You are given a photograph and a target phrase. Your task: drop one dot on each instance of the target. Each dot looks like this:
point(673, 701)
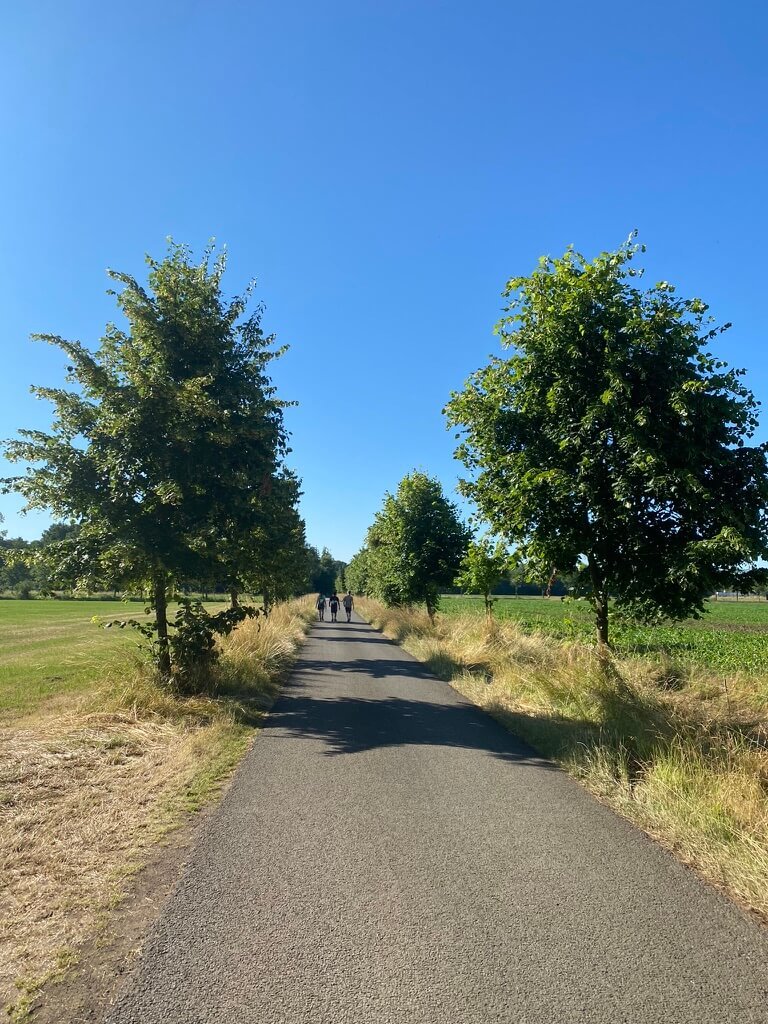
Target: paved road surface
point(387, 853)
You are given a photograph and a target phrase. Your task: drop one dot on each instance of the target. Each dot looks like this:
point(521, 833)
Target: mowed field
point(51, 648)
point(731, 637)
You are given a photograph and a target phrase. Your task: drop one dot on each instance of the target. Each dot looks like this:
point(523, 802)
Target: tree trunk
point(601, 613)
point(600, 603)
point(233, 599)
point(161, 618)
point(488, 605)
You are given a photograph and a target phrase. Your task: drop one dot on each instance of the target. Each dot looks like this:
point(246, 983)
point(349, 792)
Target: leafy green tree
point(611, 444)
point(173, 435)
point(415, 544)
point(484, 566)
point(518, 573)
point(341, 577)
point(15, 571)
point(57, 532)
point(324, 571)
point(357, 574)
point(275, 559)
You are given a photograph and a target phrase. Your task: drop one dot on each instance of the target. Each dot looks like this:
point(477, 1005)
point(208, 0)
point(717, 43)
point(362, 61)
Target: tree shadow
point(376, 668)
point(349, 627)
point(350, 725)
point(357, 639)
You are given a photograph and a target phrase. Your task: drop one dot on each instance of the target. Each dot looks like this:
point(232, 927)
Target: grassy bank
point(92, 776)
point(680, 750)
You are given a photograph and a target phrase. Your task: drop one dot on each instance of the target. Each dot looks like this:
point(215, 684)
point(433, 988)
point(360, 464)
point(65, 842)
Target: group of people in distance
point(333, 603)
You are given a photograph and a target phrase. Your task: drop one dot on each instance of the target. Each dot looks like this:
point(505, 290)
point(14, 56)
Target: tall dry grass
point(681, 752)
point(87, 792)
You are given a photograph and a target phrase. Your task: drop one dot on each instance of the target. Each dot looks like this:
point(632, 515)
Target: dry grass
point(681, 752)
point(85, 792)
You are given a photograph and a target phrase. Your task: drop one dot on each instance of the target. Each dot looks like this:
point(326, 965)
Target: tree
point(275, 560)
point(415, 544)
point(15, 573)
point(341, 577)
point(612, 444)
point(57, 532)
point(358, 571)
point(517, 572)
point(324, 571)
point(484, 566)
point(163, 453)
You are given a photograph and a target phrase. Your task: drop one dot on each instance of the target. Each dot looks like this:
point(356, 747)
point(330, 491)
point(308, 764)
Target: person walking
point(349, 603)
point(333, 602)
point(320, 605)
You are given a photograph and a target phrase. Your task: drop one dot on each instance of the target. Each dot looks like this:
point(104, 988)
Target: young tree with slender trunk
point(483, 568)
point(612, 445)
point(416, 544)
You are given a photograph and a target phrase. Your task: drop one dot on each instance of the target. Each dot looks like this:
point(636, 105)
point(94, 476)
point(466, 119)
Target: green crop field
point(731, 637)
point(49, 647)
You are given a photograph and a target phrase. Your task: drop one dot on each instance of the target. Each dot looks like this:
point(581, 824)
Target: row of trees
point(609, 447)
point(27, 568)
point(326, 573)
point(22, 567)
point(168, 456)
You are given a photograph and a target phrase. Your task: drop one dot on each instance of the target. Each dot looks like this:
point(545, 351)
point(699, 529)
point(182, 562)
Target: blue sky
point(381, 169)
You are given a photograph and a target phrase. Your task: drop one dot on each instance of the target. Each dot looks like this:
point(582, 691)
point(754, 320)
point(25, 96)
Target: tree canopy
point(416, 544)
point(612, 444)
point(483, 567)
point(326, 573)
point(168, 453)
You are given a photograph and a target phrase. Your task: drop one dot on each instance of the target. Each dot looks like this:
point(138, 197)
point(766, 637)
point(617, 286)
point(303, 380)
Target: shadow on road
point(357, 639)
point(377, 668)
point(350, 725)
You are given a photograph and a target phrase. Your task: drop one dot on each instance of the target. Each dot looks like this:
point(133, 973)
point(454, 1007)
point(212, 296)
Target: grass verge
point(88, 788)
point(680, 751)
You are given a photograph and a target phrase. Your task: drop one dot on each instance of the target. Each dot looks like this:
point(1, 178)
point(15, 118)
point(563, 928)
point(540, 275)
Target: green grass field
point(731, 637)
point(49, 648)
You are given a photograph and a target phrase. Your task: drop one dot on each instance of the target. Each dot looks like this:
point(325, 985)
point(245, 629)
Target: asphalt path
point(388, 853)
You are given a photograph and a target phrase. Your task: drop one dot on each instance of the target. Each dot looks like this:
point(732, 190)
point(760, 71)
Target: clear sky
point(381, 168)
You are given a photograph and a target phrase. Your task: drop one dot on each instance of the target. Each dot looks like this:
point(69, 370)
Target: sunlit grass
point(732, 636)
point(53, 649)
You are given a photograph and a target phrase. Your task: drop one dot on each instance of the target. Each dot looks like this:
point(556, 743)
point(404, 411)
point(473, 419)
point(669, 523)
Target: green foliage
point(273, 554)
point(484, 566)
point(358, 573)
point(168, 453)
point(193, 631)
point(610, 445)
point(324, 571)
point(193, 642)
point(14, 562)
point(416, 544)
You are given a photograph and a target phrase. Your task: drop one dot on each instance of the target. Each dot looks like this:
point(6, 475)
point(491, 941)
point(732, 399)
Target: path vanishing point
point(387, 853)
